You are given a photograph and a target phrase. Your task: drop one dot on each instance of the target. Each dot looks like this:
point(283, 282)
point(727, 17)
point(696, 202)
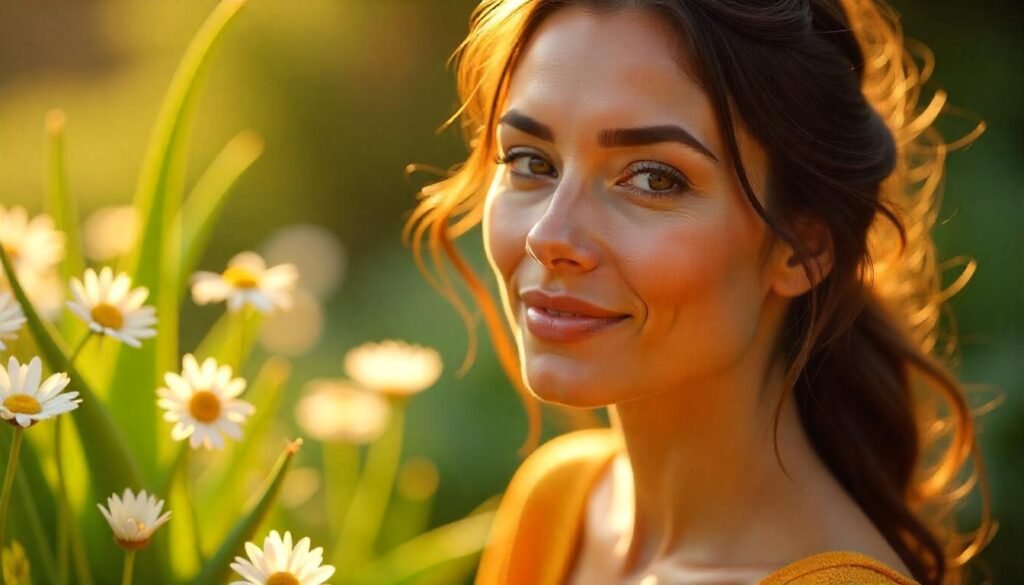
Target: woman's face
point(617, 192)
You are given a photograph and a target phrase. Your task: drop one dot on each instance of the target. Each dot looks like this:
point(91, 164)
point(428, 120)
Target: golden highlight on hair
point(909, 280)
point(903, 319)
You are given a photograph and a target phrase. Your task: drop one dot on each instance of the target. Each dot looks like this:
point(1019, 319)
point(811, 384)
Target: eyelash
point(682, 183)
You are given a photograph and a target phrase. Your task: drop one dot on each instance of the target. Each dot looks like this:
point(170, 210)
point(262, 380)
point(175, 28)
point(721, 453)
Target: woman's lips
point(566, 328)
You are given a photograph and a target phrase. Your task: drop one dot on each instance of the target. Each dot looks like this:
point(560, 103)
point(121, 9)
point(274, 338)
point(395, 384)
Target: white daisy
point(33, 245)
point(11, 318)
point(278, 563)
point(133, 518)
point(332, 410)
point(24, 401)
point(247, 281)
point(203, 403)
point(111, 307)
point(393, 367)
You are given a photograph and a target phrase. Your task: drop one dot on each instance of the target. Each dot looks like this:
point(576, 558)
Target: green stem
point(129, 567)
point(63, 512)
point(341, 470)
point(5, 495)
point(63, 503)
point(242, 314)
point(180, 459)
point(190, 497)
point(369, 503)
point(80, 347)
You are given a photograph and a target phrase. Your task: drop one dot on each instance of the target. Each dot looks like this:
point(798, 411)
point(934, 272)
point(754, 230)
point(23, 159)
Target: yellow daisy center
point(108, 315)
point(22, 404)
point(204, 406)
point(283, 578)
point(240, 277)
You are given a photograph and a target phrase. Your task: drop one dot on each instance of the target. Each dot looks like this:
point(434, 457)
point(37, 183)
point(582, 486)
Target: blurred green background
point(347, 93)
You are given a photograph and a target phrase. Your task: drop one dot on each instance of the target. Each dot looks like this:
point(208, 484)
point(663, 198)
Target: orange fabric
point(534, 534)
point(536, 530)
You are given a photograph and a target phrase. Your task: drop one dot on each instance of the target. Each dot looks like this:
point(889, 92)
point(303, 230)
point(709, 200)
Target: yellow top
point(534, 538)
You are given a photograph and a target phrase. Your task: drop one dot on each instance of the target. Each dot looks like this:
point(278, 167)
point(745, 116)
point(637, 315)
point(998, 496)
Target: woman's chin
point(566, 388)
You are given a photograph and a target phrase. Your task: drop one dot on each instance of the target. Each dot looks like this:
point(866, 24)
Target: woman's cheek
point(690, 281)
point(498, 235)
point(673, 268)
point(504, 236)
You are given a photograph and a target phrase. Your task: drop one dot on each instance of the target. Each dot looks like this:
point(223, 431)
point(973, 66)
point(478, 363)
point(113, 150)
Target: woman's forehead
point(621, 68)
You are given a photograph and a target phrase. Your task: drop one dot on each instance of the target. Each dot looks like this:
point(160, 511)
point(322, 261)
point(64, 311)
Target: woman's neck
point(703, 485)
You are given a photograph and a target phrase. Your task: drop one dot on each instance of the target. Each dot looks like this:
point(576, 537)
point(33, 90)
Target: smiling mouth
point(564, 326)
point(562, 313)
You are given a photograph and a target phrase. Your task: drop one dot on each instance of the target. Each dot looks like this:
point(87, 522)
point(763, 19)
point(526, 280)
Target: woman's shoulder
point(536, 525)
point(566, 454)
point(838, 568)
point(560, 469)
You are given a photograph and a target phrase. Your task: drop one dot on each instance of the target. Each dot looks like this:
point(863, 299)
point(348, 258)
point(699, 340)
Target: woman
point(711, 217)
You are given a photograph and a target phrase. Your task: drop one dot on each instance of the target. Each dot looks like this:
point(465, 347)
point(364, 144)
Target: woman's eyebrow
point(617, 137)
point(527, 124)
point(652, 135)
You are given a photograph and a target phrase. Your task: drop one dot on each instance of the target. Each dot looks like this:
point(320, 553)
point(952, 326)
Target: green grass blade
point(61, 206)
point(341, 464)
point(158, 199)
point(218, 568)
point(201, 210)
point(59, 202)
point(232, 338)
point(356, 543)
point(32, 520)
point(463, 538)
point(77, 480)
point(182, 547)
point(453, 571)
point(411, 506)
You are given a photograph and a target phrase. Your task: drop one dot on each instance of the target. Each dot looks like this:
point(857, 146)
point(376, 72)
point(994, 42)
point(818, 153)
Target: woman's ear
point(790, 279)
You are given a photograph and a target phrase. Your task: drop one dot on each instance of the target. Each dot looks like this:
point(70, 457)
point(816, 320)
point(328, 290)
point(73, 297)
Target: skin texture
point(688, 378)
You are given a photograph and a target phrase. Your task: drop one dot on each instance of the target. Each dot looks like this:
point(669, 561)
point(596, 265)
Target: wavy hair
point(832, 91)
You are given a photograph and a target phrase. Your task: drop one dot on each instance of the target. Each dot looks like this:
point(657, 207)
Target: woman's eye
point(528, 165)
point(650, 179)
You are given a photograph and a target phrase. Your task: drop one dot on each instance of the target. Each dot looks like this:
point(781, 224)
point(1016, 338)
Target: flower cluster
point(70, 291)
point(203, 401)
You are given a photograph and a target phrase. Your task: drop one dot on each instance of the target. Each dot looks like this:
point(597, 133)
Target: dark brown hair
point(830, 90)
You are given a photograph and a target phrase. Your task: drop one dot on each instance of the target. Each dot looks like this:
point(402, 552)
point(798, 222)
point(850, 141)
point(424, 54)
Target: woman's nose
point(560, 239)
